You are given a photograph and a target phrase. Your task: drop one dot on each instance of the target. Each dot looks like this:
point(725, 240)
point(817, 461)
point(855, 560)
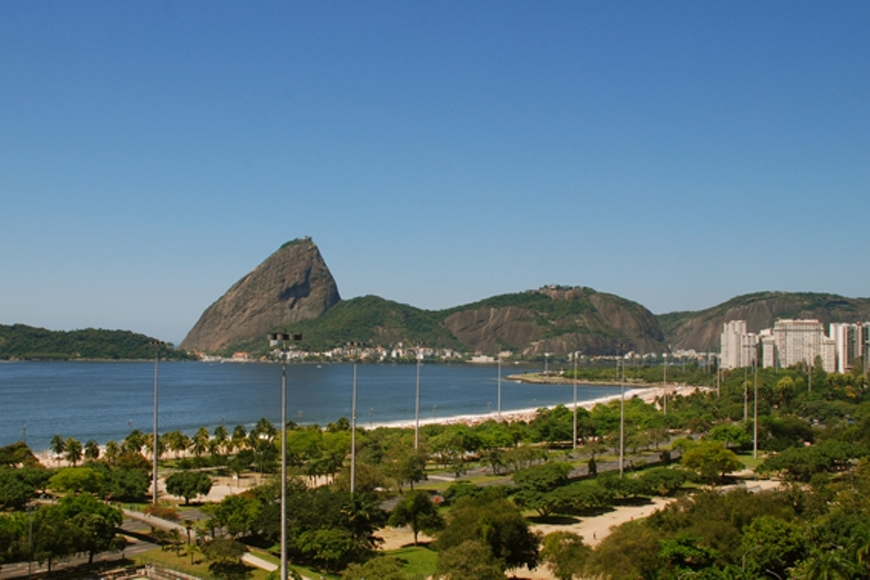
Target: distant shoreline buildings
point(790, 342)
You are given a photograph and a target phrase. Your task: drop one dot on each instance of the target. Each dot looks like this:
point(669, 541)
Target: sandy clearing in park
point(592, 529)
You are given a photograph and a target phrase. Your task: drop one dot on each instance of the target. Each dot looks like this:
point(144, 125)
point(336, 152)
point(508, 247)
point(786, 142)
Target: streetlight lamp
point(621, 411)
point(30, 509)
point(155, 441)
point(354, 352)
point(280, 339)
point(665, 381)
point(755, 405)
point(417, 404)
point(576, 354)
point(746, 380)
point(499, 386)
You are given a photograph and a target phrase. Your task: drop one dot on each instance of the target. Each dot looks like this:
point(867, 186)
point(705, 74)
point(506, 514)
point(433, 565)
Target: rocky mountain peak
point(291, 285)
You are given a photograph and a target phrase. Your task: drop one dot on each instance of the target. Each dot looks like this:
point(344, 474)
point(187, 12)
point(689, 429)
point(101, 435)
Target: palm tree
point(825, 565)
point(177, 442)
point(92, 450)
point(200, 441)
point(240, 437)
point(264, 429)
point(134, 441)
point(58, 446)
point(73, 450)
point(418, 511)
point(113, 451)
point(221, 437)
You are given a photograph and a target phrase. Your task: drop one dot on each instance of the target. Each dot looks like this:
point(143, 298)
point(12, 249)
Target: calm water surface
point(104, 400)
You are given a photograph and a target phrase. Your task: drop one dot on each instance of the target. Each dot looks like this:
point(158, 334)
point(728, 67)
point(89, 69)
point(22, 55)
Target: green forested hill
point(552, 319)
point(19, 341)
point(371, 320)
point(700, 330)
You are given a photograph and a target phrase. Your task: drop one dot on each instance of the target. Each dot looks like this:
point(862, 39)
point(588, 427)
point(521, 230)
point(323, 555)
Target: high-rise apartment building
point(803, 341)
point(737, 346)
point(850, 342)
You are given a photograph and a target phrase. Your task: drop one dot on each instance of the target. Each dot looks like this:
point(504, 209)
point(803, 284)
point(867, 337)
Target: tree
point(225, 555)
point(177, 442)
point(92, 450)
point(565, 554)
point(57, 445)
point(241, 462)
point(73, 450)
point(199, 443)
point(418, 511)
point(239, 437)
point(238, 514)
point(404, 465)
point(222, 437)
point(730, 435)
point(772, 545)
point(188, 484)
point(331, 548)
point(76, 480)
point(711, 460)
point(380, 567)
point(466, 560)
point(498, 524)
point(662, 480)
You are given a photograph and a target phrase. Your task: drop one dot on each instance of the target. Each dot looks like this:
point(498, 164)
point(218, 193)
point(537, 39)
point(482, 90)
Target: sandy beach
point(647, 394)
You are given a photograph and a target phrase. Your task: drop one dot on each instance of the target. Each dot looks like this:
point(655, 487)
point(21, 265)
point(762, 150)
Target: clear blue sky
point(675, 153)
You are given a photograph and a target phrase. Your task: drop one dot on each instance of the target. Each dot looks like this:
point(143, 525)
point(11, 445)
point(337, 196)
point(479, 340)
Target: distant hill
point(22, 342)
point(294, 290)
point(700, 330)
point(555, 319)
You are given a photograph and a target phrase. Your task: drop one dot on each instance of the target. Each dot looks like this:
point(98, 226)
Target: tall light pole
point(281, 339)
point(155, 441)
point(30, 509)
point(810, 374)
point(621, 412)
point(755, 404)
point(354, 351)
point(576, 354)
point(499, 386)
point(746, 381)
point(417, 406)
point(665, 381)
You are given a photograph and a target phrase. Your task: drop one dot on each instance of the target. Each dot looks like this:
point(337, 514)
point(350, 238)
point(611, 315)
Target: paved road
point(136, 546)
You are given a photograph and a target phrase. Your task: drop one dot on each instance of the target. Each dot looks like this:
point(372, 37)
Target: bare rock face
point(558, 320)
point(291, 285)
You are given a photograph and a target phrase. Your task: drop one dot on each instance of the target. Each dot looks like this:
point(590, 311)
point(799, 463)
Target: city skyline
point(676, 155)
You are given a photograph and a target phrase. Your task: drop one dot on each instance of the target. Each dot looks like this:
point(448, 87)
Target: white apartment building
point(737, 346)
point(802, 341)
point(850, 342)
point(793, 341)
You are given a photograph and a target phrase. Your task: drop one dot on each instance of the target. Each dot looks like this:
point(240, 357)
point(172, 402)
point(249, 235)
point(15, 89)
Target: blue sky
point(674, 153)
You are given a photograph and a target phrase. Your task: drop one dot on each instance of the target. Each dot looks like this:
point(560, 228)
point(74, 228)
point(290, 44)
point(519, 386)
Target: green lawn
point(182, 563)
point(418, 560)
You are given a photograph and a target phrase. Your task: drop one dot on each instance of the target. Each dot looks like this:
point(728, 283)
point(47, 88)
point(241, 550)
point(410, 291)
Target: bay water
point(106, 400)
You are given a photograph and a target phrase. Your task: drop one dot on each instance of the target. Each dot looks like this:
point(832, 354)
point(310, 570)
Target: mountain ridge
point(282, 292)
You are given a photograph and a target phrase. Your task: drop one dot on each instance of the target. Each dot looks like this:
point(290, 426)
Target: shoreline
point(648, 394)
